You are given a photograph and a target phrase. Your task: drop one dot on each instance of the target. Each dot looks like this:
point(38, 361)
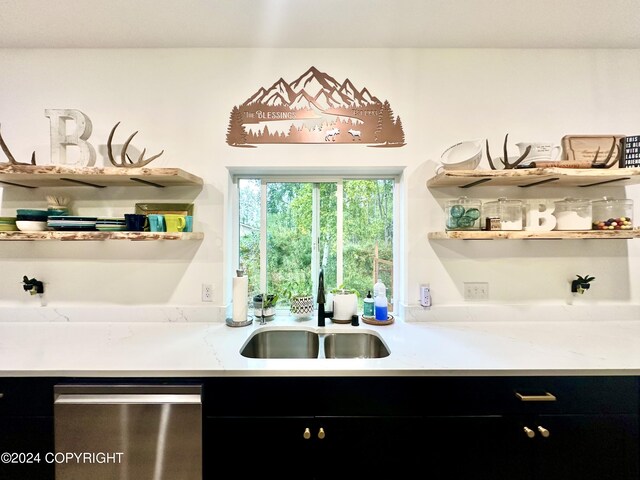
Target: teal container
point(367, 308)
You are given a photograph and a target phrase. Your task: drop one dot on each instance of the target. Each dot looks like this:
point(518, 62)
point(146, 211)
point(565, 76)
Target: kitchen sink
point(282, 344)
point(354, 345)
point(298, 343)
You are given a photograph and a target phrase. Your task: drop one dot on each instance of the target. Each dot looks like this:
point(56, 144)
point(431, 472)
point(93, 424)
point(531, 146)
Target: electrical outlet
point(425, 295)
point(476, 291)
point(207, 292)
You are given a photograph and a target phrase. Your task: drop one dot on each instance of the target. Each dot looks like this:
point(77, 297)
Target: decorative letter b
point(60, 139)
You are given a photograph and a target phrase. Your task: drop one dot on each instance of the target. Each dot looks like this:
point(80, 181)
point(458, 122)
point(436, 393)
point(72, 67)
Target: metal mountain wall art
point(316, 109)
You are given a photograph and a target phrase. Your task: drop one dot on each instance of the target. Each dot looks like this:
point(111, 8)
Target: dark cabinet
point(26, 429)
point(369, 447)
point(582, 428)
point(587, 447)
point(446, 428)
point(312, 428)
point(311, 447)
point(548, 447)
point(24, 445)
point(461, 447)
point(492, 428)
point(255, 447)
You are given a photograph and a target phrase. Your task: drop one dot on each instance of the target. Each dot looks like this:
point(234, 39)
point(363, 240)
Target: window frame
point(338, 179)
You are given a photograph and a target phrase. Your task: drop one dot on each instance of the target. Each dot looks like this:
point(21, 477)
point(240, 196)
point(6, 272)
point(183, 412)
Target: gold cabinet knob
point(321, 433)
point(543, 431)
point(530, 433)
point(307, 434)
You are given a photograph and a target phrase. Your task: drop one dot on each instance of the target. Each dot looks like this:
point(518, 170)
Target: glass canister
point(612, 214)
point(573, 214)
point(462, 214)
point(505, 213)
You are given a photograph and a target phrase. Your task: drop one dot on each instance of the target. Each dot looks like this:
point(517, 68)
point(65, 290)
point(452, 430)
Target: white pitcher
point(540, 151)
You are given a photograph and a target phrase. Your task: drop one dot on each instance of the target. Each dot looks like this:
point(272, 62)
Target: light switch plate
point(476, 291)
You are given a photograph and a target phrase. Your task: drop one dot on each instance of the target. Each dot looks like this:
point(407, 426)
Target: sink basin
point(282, 344)
point(354, 345)
point(298, 343)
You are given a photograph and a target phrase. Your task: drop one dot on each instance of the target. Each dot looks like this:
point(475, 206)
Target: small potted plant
point(266, 308)
point(580, 284)
point(297, 292)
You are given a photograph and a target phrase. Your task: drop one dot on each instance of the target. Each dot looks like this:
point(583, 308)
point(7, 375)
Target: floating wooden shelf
point(527, 235)
point(530, 177)
point(33, 176)
point(96, 235)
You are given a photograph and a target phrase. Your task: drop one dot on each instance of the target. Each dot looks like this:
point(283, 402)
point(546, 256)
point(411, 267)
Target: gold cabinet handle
point(321, 433)
point(530, 433)
point(543, 431)
point(547, 397)
point(307, 434)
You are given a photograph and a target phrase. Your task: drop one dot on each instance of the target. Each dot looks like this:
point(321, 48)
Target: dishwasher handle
point(121, 394)
point(106, 398)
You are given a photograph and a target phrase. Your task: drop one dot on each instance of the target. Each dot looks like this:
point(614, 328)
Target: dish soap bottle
point(367, 308)
point(380, 301)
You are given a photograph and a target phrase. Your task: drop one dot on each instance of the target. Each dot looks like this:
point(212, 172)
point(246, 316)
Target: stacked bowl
point(72, 222)
point(462, 156)
point(111, 224)
point(28, 220)
point(8, 224)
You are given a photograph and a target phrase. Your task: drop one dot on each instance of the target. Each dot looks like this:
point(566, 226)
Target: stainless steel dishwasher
point(128, 432)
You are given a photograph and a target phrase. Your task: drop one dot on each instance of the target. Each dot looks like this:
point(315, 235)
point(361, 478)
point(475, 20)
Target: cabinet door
point(27, 440)
point(444, 448)
point(589, 447)
point(473, 447)
point(258, 446)
point(368, 447)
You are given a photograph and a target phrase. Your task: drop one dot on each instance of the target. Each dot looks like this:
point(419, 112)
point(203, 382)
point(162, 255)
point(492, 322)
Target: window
point(290, 229)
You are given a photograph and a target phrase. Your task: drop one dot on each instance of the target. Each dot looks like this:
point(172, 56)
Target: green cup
point(174, 222)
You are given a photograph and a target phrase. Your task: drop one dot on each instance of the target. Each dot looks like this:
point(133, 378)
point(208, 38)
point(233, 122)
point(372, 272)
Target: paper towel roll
point(240, 294)
point(344, 306)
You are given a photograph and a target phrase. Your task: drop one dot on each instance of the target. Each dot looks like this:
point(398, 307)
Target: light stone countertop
point(200, 349)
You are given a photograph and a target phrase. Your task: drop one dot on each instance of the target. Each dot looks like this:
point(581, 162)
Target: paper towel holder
point(231, 323)
point(242, 323)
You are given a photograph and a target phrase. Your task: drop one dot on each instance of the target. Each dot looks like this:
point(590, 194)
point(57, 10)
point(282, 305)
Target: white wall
point(180, 101)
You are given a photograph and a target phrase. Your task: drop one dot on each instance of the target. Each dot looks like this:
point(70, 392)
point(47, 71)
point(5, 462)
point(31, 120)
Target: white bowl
point(462, 156)
point(30, 226)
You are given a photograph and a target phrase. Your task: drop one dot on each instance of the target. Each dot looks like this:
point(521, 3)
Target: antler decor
point(12, 160)
point(607, 161)
point(125, 161)
point(505, 159)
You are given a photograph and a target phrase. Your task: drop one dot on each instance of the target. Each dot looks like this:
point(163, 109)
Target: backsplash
point(113, 314)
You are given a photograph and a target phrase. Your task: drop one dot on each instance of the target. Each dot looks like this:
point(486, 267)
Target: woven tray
point(373, 321)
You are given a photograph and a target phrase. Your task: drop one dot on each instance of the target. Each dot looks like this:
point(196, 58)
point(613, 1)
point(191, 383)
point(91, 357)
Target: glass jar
point(613, 214)
point(462, 214)
point(573, 214)
point(503, 212)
